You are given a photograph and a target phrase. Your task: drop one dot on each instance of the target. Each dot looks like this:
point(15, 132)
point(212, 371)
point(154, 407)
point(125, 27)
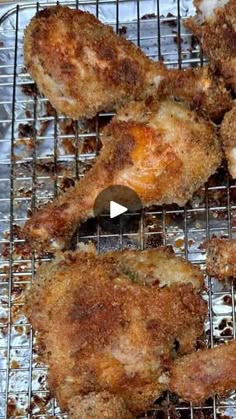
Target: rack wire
point(40, 155)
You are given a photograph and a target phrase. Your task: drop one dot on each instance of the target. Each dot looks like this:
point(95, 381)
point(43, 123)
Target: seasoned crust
point(54, 224)
point(203, 374)
point(165, 169)
point(221, 258)
point(115, 335)
point(217, 34)
point(228, 136)
point(162, 150)
point(67, 53)
point(201, 89)
point(157, 266)
point(98, 405)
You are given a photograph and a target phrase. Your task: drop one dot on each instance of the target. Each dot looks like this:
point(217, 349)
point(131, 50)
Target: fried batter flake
point(221, 258)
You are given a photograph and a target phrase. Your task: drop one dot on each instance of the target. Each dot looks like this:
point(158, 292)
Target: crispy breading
point(102, 405)
point(104, 332)
point(214, 26)
point(158, 266)
point(228, 136)
point(81, 65)
point(161, 150)
point(203, 374)
point(201, 88)
point(221, 258)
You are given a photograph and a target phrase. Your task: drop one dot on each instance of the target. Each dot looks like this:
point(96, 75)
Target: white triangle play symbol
point(116, 209)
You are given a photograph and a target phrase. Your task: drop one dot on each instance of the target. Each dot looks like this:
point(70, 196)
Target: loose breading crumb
point(221, 258)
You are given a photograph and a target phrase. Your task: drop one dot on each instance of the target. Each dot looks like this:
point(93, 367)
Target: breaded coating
point(161, 150)
point(221, 258)
point(228, 136)
point(82, 66)
point(214, 26)
point(206, 373)
point(159, 267)
point(102, 405)
point(108, 339)
point(201, 89)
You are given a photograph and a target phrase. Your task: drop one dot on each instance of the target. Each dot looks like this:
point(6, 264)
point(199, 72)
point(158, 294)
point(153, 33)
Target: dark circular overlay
point(124, 196)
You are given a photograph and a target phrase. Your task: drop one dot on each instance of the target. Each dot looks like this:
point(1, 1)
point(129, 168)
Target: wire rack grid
point(42, 153)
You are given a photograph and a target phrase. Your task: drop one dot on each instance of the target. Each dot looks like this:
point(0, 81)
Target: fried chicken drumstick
point(221, 258)
point(203, 374)
point(83, 67)
point(110, 332)
point(214, 26)
point(163, 151)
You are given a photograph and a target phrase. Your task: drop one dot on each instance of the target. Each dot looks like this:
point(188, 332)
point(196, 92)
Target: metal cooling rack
point(40, 155)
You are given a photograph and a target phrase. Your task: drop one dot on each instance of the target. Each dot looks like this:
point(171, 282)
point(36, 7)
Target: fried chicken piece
point(163, 151)
point(108, 339)
point(203, 374)
point(199, 87)
point(214, 26)
point(221, 258)
point(83, 67)
point(228, 136)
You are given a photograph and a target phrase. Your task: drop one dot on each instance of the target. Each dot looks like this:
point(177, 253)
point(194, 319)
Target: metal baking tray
point(42, 153)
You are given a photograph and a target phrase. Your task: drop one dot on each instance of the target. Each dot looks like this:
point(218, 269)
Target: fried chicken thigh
point(221, 258)
point(163, 151)
point(83, 67)
point(214, 26)
point(110, 332)
point(203, 374)
point(228, 136)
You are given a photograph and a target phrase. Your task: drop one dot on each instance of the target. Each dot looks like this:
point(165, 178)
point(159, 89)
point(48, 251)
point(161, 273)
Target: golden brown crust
point(218, 38)
point(203, 374)
point(81, 65)
point(201, 89)
point(157, 266)
point(102, 331)
point(99, 405)
point(163, 151)
point(221, 258)
point(228, 136)
point(54, 224)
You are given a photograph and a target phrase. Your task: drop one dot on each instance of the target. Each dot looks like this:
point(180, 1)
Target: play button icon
point(116, 209)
